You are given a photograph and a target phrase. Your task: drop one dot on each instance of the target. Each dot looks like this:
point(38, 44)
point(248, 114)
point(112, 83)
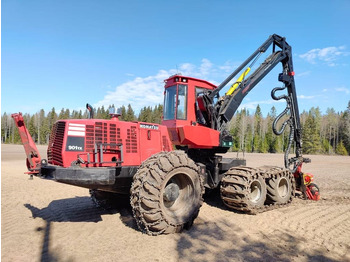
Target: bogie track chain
point(236, 188)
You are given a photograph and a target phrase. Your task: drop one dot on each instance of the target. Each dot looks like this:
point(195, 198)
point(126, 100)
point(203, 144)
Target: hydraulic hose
point(287, 162)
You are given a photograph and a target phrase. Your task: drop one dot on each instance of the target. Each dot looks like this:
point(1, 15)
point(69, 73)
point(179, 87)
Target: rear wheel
point(279, 188)
point(166, 194)
point(243, 188)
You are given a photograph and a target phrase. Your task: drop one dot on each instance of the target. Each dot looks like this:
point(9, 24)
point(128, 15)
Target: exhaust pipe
point(91, 111)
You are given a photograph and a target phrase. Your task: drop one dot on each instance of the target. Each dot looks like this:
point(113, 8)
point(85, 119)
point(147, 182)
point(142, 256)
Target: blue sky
point(63, 54)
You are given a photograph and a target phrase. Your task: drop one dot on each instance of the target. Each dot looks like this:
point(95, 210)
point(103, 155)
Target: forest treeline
point(327, 133)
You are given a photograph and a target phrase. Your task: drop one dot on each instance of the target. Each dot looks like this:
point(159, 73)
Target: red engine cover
point(99, 142)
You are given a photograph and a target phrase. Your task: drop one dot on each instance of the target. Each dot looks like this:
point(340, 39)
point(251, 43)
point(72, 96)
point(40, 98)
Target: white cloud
point(305, 97)
point(254, 104)
point(148, 91)
point(228, 67)
point(187, 68)
point(206, 67)
point(302, 74)
point(139, 92)
point(343, 89)
point(327, 55)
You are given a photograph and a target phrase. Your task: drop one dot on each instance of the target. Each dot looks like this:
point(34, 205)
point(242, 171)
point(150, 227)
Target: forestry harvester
point(166, 168)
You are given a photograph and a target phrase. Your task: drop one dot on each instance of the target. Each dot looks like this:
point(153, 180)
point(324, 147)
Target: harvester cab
point(183, 117)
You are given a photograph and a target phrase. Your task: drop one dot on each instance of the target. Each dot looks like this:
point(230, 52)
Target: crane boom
point(32, 152)
point(220, 113)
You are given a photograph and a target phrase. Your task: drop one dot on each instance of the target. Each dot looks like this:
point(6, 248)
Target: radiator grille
point(54, 151)
point(114, 134)
point(90, 138)
point(98, 133)
point(131, 141)
point(105, 133)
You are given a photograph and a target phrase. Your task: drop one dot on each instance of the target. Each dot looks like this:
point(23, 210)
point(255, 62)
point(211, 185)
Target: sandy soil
point(47, 221)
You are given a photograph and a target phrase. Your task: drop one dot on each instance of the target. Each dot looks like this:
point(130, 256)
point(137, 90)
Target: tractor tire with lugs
point(279, 187)
point(166, 193)
point(243, 189)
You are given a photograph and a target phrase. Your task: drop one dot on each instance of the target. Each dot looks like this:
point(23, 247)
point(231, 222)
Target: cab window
point(182, 102)
point(175, 102)
point(170, 103)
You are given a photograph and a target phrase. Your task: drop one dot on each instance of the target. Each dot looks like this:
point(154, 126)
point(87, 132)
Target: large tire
point(279, 188)
point(166, 194)
point(243, 188)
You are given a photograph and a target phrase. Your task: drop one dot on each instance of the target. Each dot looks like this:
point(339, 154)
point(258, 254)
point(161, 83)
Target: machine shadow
point(222, 240)
point(212, 198)
point(77, 209)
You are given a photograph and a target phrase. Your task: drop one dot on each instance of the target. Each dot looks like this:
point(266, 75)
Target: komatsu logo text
point(148, 126)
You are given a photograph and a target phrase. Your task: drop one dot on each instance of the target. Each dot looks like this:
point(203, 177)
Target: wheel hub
point(171, 192)
point(283, 187)
point(255, 191)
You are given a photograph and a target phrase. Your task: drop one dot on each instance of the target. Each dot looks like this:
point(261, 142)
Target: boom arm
point(222, 112)
point(32, 153)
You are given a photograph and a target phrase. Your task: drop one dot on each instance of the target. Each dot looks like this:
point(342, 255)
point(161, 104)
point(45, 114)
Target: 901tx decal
point(75, 143)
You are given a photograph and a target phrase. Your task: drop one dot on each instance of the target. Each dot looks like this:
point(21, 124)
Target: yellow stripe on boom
point(239, 80)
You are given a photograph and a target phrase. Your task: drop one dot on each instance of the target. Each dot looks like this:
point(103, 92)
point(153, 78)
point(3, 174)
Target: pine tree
point(271, 138)
point(234, 130)
point(157, 114)
point(257, 130)
point(123, 113)
point(344, 128)
point(52, 117)
point(249, 145)
point(130, 115)
point(64, 114)
point(4, 128)
point(32, 128)
point(341, 150)
point(44, 128)
point(263, 147)
point(311, 137)
point(145, 114)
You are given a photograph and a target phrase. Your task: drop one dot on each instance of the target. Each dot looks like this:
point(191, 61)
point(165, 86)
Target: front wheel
point(166, 194)
point(279, 188)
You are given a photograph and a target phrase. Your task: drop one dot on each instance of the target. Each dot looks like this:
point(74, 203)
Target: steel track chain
point(237, 182)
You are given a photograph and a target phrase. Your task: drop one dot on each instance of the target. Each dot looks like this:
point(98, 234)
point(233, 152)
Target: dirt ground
point(47, 221)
